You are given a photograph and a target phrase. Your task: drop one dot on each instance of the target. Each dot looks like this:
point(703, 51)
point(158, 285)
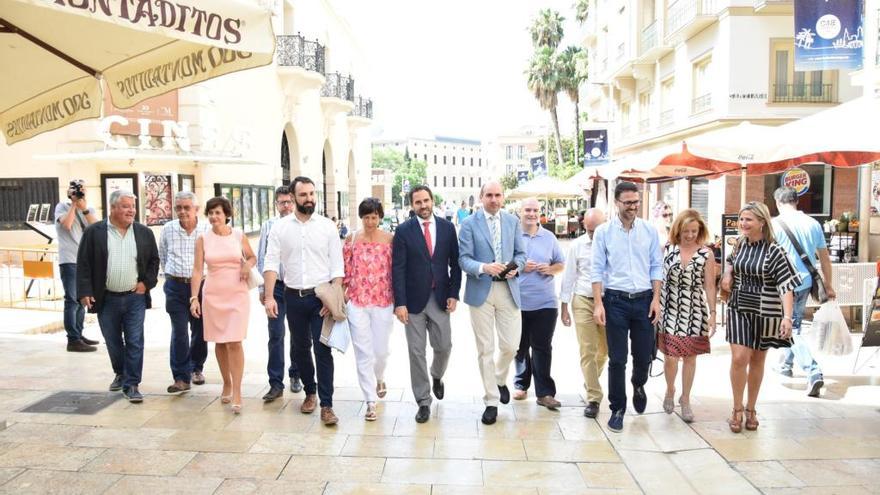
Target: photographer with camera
point(71, 219)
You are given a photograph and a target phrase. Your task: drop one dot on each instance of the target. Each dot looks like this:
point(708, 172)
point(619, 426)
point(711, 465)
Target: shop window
point(816, 200)
point(17, 194)
point(250, 204)
point(157, 199)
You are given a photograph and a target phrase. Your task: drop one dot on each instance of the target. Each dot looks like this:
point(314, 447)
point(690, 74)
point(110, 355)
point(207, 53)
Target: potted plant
point(843, 225)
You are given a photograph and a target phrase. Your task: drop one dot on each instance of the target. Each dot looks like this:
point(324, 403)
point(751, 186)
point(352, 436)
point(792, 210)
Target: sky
point(452, 67)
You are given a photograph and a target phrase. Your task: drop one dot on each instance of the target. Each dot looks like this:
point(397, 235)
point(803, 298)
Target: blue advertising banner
point(522, 177)
point(595, 147)
point(828, 35)
point(538, 165)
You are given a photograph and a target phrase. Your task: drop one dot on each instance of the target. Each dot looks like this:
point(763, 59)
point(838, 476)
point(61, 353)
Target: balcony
point(667, 117)
point(774, 6)
point(802, 93)
point(652, 47)
point(363, 107)
point(684, 18)
point(295, 51)
point(338, 86)
point(644, 125)
point(701, 104)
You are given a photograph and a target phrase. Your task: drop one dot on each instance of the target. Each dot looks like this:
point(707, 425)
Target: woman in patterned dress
point(367, 282)
point(760, 278)
point(687, 299)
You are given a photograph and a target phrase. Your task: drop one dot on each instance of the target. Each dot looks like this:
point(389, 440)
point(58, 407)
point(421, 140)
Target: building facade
point(511, 151)
point(665, 70)
point(239, 135)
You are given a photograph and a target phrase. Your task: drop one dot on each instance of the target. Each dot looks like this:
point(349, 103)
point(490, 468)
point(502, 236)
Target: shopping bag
point(829, 334)
point(255, 279)
point(340, 337)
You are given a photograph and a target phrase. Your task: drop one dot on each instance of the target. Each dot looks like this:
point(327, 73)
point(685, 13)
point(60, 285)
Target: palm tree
point(543, 82)
point(572, 67)
point(546, 29)
point(581, 11)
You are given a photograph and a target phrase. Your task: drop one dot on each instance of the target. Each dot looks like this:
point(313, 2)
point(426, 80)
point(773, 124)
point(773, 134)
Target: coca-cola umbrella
point(55, 54)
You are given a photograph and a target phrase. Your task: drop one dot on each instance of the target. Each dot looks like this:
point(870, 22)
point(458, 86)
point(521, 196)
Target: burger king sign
point(796, 179)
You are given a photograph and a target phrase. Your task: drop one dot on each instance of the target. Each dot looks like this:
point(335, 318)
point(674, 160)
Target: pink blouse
point(368, 273)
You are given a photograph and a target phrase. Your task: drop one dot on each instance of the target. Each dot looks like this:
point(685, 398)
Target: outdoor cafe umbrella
point(55, 54)
point(546, 187)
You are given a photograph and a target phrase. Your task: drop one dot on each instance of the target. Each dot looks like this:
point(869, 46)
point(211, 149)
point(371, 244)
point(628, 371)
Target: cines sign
point(166, 14)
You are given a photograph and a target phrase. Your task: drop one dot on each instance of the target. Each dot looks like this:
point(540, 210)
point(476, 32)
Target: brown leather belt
point(182, 280)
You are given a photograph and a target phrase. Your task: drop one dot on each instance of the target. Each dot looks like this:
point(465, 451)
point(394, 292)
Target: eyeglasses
point(667, 215)
point(286, 202)
point(630, 204)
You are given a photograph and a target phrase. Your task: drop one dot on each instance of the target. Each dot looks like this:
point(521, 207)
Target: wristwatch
point(87, 212)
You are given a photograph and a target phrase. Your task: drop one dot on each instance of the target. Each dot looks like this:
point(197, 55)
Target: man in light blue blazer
point(489, 240)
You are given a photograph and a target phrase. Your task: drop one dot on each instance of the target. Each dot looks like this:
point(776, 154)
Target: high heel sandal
point(236, 409)
point(736, 425)
point(225, 399)
point(752, 419)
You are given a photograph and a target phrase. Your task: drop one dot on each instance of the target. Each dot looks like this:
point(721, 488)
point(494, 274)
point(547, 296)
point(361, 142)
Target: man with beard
point(116, 266)
point(426, 280)
point(275, 367)
point(305, 247)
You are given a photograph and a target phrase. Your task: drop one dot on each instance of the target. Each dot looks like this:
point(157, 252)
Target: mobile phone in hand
point(507, 268)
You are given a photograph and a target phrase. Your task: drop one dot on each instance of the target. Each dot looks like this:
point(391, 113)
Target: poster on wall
point(522, 176)
point(595, 147)
point(828, 35)
point(729, 235)
point(538, 165)
point(157, 199)
point(875, 192)
point(116, 182)
point(155, 109)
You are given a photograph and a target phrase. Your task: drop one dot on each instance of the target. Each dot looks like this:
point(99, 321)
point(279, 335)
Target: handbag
point(340, 336)
point(817, 290)
point(255, 278)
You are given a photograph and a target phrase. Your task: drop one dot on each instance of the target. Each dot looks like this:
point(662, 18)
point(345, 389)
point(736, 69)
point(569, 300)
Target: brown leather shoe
point(178, 387)
point(309, 404)
point(327, 416)
point(198, 378)
point(549, 402)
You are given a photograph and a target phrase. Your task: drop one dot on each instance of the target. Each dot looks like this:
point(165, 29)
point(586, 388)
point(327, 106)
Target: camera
point(75, 191)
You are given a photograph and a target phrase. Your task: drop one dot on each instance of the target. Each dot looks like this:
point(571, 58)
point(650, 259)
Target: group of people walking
point(623, 285)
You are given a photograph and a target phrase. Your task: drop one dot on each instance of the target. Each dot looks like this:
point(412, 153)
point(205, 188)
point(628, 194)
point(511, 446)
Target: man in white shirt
point(577, 290)
point(307, 247)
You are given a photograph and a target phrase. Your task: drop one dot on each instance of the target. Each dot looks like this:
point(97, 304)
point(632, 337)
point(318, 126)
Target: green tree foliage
point(568, 167)
point(572, 67)
point(416, 171)
point(509, 182)
point(546, 29)
point(543, 82)
point(581, 11)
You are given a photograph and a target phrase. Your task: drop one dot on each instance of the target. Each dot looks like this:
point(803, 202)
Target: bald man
point(577, 291)
point(544, 260)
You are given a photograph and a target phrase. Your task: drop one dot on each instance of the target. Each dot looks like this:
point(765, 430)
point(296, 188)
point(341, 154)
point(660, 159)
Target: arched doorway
point(285, 159)
point(327, 187)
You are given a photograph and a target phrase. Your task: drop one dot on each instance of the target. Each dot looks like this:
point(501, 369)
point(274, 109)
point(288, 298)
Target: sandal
point(381, 390)
point(371, 412)
point(736, 421)
point(752, 419)
point(668, 405)
point(687, 414)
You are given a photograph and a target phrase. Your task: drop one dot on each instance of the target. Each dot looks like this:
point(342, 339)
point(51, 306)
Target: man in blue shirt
point(809, 235)
point(627, 273)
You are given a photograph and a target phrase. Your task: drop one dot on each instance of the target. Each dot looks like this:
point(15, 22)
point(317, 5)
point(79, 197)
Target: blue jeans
point(627, 319)
point(188, 350)
point(799, 349)
point(305, 321)
point(534, 356)
point(277, 331)
point(122, 324)
point(74, 313)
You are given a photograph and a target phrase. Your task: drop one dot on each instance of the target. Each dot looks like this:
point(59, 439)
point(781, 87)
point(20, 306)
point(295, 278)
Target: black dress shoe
point(592, 410)
point(640, 399)
point(80, 346)
point(489, 415)
point(505, 394)
point(273, 393)
point(296, 385)
point(89, 341)
point(133, 395)
point(423, 415)
point(439, 388)
point(116, 384)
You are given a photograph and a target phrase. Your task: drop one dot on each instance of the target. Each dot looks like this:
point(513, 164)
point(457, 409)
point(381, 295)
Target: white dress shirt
point(310, 252)
point(576, 277)
point(432, 228)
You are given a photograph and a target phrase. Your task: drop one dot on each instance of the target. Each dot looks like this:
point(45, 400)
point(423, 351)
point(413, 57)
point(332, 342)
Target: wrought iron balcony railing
point(702, 103)
point(363, 107)
point(649, 38)
point(293, 50)
point(680, 13)
point(338, 86)
point(803, 93)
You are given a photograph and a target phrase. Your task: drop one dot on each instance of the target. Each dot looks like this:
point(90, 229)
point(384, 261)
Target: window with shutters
point(17, 194)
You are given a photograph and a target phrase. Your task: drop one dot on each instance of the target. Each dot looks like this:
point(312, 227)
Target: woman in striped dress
point(760, 278)
point(688, 302)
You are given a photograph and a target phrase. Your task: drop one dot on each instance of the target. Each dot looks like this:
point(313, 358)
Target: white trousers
point(498, 314)
point(370, 330)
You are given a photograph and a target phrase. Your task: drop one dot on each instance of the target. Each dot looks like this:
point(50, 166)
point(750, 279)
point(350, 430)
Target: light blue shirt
point(537, 291)
point(809, 234)
point(626, 260)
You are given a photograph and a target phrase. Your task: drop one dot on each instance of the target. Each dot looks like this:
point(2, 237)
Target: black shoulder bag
point(818, 288)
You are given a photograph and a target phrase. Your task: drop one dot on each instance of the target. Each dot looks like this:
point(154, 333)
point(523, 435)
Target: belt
point(183, 280)
point(499, 279)
point(629, 295)
point(112, 293)
point(300, 292)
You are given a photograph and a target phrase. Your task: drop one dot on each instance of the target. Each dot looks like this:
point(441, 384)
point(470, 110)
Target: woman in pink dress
point(226, 309)
point(367, 255)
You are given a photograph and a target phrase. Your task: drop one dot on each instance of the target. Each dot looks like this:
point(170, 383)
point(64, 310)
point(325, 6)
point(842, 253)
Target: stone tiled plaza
point(194, 444)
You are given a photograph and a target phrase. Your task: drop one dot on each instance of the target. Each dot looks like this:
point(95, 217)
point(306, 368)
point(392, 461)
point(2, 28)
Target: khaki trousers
point(592, 343)
point(499, 313)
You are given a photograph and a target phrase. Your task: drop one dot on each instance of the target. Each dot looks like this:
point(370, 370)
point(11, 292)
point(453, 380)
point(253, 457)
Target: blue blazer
point(413, 271)
point(475, 246)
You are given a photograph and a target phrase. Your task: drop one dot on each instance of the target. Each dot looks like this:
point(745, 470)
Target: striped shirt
point(122, 273)
point(762, 272)
point(264, 243)
point(177, 249)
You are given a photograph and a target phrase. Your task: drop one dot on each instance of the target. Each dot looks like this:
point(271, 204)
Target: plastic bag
point(340, 336)
point(829, 334)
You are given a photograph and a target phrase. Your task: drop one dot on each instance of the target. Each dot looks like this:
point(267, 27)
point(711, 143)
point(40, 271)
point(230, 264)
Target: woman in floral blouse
point(367, 254)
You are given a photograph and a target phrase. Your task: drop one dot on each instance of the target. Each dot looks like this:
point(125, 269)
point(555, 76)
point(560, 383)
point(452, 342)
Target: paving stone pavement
point(194, 444)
